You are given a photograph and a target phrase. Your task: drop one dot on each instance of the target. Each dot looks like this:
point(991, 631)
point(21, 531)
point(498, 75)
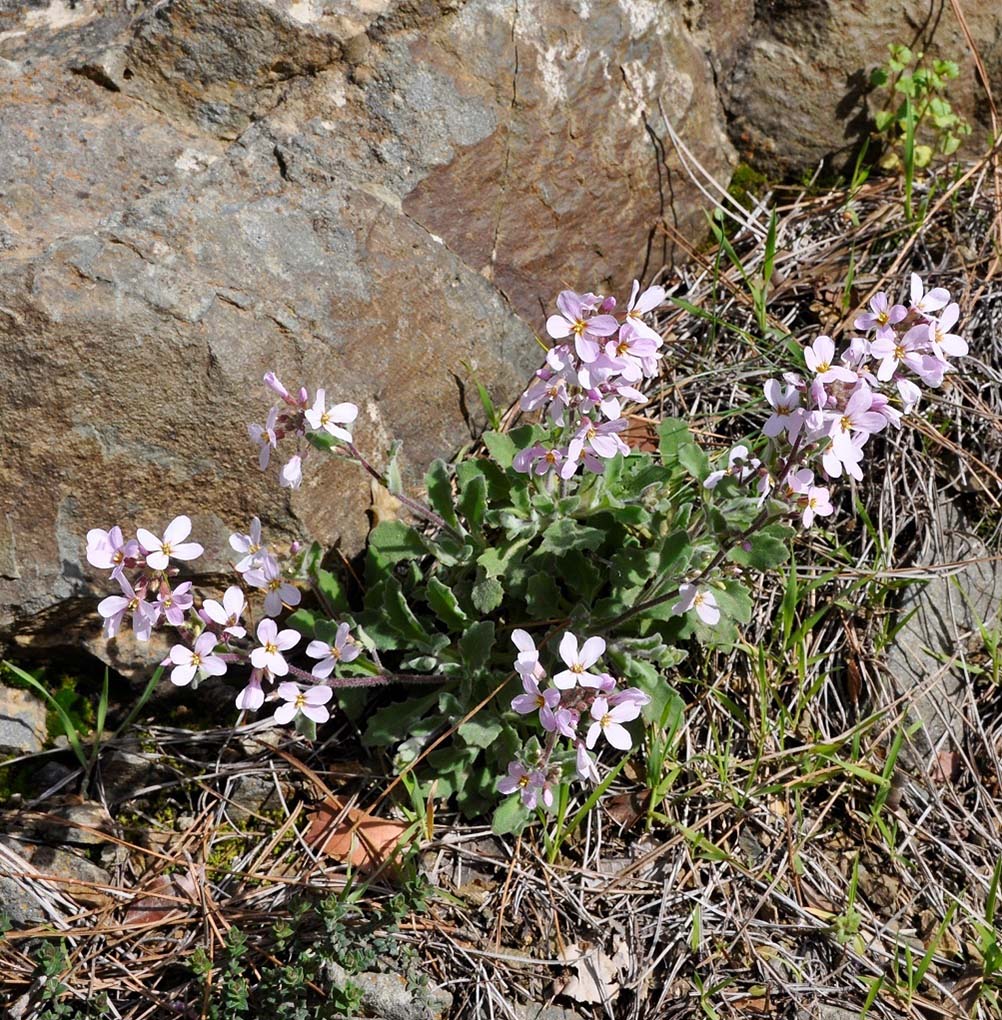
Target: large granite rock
point(360, 195)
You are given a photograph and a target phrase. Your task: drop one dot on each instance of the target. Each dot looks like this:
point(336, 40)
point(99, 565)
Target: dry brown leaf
point(353, 836)
point(595, 974)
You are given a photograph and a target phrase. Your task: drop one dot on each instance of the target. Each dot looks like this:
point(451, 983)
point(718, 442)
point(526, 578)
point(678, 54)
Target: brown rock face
point(796, 89)
point(360, 196)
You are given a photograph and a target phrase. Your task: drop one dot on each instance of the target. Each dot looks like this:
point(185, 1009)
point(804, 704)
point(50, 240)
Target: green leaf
point(693, 458)
point(501, 447)
point(762, 551)
point(673, 433)
point(676, 551)
point(394, 481)
point(395, 722)
point(393, 541)
point(305, 726)
point(473, 500)
point(331, 590)
point(439, 486)
point(476, 644)
point(481, 732)
point(511, 817)
point(542, 596)
point(487, 594)
point(444, 604)
point(733, 600)
point(399, 614)
point(567, 534)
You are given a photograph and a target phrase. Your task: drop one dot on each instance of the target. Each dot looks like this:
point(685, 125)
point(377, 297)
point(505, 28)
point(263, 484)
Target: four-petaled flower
point(576, 319)
point(311, 702)
point(579, 662)
point(159, 551)
point(700, 599)
point(343, 649)
point(227, 613)
point(273, 643)
point(200, 660)
point(269, 577)
point(608, 722)
point(331, 419)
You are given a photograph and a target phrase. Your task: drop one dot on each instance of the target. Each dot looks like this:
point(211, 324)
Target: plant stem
point(415, 506)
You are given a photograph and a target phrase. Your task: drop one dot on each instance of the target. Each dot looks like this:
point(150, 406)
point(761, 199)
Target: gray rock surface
point(22, 722)
point(362, 196)
point(942, 620)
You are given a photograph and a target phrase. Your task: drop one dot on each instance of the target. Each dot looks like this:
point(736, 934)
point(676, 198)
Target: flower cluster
point(583, 706)
point(213, 636)
point(822, 421)
point(595, 365)
point(296, 417)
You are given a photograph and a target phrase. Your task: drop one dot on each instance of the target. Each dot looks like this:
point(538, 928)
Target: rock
point(939, 615)
point(388, 996)
point(364, 199)
point(248, 796)
point(78, 823)
point(79, 875)
point(125, 773)
point(22, 722)
point(796, 88)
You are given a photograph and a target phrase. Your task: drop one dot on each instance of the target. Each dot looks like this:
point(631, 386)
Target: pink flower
point(786, 414)
point(638, 306)
point(273, 643)
point(108, 550)
point(331, 419)
point(882, 316)
point(528, 783)
point(265, 437)
point(114, 607)
point(631, 351)
point(702, 600)
point(200, 660)
point(538, 460)
point(527, 663)
point(924, 303)
point(269, 578)
point(601, 439)
point(608, 722)
point(272, 382)
point(816, 504)
point(575, 319)
point(585, 764)
point(534, 700)
point(291, 475)
point(160, 550)
point(251, 698)
point(344, 649)
point(820, 357)
point(578, 663)
point(174, 604)
point(740, 465)
point(943, 341)
point(855, 418)
point(227, 614)
point(895, 351)
point(251, 546)
point(312, 703)
point(549, 389)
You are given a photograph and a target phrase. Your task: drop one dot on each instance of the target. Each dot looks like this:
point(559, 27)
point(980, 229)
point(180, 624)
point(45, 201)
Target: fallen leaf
point(595, 974)
point(353, 836)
